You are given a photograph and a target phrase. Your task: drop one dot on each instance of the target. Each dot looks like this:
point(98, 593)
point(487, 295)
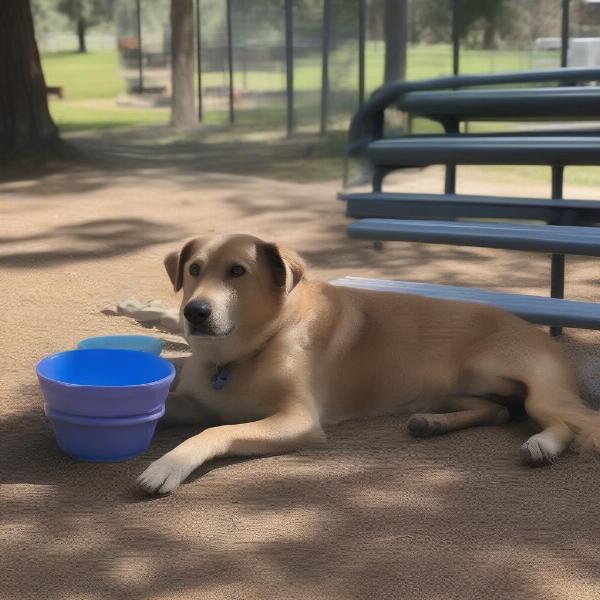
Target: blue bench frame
point(368, 126)
point(554, 312)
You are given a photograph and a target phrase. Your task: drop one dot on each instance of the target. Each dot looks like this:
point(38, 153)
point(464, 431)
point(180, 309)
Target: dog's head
point(233, 286)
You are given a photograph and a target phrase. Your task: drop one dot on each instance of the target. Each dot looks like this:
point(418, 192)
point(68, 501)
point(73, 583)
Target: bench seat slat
point(537, 103)
point(501, 150)
point(536, 309)
point(415, 205)
point(584, 241)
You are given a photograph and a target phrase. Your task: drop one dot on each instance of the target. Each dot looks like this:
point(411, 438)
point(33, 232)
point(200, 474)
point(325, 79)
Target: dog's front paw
point(164, 475)
point(424, 426)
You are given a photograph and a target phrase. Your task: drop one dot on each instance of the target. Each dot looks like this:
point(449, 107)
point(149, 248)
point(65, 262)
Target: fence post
point(361, 51)
point(452, 127)
point(325, 65)
point(230, 61)
point(140, 55)
point(456, 21)
point(564, 37)
point(289, 64)
point(199, 60)
point(243, 36)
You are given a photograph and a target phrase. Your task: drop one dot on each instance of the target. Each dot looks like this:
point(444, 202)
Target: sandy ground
point(375, 514)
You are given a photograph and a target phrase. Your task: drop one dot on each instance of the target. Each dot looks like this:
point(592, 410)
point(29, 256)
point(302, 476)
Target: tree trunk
point(395, 31)
point(183, 112)
point(490, 39)
point(81, 27)
point(25, 122)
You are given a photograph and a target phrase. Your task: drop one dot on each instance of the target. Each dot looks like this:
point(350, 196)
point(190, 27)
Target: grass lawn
point(84, 76)
point(97, 76)
point(85, 115)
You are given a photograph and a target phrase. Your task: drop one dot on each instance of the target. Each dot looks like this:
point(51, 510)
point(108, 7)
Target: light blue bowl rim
point(149, 339)
point(103, 421)
point(168, 378)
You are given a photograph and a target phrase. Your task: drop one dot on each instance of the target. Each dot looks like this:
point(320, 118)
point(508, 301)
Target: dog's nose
point(197, 311)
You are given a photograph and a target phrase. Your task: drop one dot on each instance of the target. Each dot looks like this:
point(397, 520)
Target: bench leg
point(557, 284)
point(557, 266)
point(379, 174)
point(451, 127)
point(450, 181)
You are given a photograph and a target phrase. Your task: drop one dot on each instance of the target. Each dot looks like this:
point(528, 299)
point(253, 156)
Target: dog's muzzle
point(198, 314)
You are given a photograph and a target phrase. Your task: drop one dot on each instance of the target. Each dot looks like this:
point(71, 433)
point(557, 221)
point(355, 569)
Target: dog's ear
point(171, 263)
point(287, 268)
point(175, 261)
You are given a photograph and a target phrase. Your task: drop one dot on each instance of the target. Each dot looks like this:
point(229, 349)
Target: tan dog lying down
point(276, 355)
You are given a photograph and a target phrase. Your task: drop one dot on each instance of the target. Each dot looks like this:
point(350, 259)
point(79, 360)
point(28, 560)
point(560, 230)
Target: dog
point(276, 355)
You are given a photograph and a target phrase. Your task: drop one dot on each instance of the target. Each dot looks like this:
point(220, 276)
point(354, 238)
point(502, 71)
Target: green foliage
point(262, 21)
point(481, 22)
point(155, 16)
point(46, 16)
point(91, 11)
point(61, 15)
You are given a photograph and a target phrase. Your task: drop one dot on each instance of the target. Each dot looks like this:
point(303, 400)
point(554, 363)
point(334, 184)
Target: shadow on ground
point(342, 521)
point(94, 162)
point(373, 514)
point(88, 240)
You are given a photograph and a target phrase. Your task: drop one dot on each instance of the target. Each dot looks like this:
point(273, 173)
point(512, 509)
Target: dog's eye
point(237, 271)
point(194, 269)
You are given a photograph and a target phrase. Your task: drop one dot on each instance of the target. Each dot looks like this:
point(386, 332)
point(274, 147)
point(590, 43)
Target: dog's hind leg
point(553, 402)
point(469, 412)
point(549, 390)
point(545, 447)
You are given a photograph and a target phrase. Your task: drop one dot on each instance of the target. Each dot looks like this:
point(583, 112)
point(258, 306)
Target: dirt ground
point(374, 514)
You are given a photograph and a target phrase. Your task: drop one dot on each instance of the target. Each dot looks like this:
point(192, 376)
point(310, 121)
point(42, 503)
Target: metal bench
point(395, 205)
point(368, 123)
point(445, 101)
point(536, 309)
point(556, 152)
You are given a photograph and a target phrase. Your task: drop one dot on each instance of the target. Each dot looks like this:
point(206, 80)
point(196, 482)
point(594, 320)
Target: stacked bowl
point(104, 403)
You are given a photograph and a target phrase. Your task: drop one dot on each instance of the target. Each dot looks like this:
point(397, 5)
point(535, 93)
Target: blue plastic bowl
point(142, 343)
point(105, 383)
point(102, 439)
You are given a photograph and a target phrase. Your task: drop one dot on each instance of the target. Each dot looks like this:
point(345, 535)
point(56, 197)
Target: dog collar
point(220, 377)
point(221, 374)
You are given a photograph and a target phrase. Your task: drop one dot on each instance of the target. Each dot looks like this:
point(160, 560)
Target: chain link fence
point(305, 65)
